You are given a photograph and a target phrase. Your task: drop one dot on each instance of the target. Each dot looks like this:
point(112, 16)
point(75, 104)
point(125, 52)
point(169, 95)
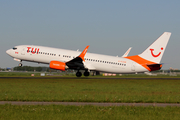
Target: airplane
point(62, 59)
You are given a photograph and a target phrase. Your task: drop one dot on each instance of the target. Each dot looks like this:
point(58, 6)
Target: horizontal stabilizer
point(154, 67)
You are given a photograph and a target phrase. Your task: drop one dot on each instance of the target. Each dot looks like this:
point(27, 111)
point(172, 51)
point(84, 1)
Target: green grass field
point(91, 90)
point(60, 112)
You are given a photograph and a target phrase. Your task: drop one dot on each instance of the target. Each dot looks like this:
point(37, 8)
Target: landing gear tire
point(86, 73)
point(78, 74)
point(20, 65)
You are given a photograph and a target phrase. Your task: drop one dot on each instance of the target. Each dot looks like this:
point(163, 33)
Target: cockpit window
point(14, 48)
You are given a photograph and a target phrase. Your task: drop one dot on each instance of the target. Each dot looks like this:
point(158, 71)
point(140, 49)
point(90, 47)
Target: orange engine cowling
point(58, 65)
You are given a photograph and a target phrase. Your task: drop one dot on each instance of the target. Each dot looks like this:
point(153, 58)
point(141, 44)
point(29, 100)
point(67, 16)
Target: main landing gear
point(79, 74)
point(86, 73)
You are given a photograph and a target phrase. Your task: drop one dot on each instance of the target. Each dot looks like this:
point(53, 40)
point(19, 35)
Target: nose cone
point(8, 52)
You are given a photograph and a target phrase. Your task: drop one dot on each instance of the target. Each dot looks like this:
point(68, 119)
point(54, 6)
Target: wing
point(77, 63)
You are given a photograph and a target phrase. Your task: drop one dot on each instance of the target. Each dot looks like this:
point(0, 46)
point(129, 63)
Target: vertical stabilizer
point(155, 51)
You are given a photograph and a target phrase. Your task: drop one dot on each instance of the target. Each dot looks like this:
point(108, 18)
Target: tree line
point(30, 68)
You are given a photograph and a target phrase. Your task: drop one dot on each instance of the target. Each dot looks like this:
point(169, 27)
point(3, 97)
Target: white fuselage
point(96, 62)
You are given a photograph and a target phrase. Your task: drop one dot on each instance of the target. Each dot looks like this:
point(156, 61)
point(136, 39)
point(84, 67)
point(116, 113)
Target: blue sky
point(109, 27)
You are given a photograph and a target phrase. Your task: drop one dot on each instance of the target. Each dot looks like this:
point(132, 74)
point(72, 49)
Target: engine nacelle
point(58, 65)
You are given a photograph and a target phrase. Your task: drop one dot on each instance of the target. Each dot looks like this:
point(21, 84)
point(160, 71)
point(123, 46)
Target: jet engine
point(58, 65)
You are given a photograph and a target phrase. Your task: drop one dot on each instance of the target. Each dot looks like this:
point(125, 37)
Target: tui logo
point(154, 54)
point(32, 50)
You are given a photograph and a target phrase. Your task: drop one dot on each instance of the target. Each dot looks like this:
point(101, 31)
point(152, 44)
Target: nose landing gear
point(20, 64)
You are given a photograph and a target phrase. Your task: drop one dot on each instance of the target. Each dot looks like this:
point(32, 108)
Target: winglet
point(127, 52)
point(84, 53)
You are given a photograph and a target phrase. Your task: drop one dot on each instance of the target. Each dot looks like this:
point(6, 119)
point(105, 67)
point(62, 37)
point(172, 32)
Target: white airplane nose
point(8, 52)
